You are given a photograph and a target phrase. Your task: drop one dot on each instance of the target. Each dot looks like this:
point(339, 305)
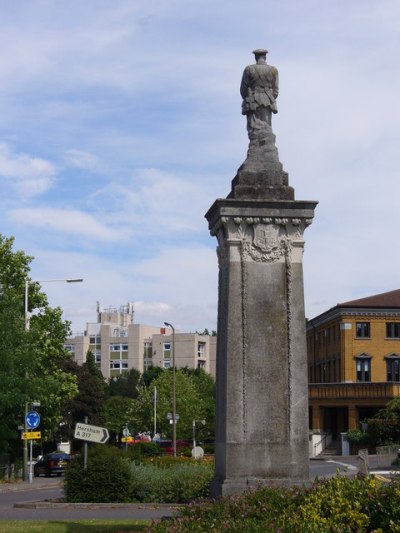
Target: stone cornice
point(340, 312)
point(260, 208)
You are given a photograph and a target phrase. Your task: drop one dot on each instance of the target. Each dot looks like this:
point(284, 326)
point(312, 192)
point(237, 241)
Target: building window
point(363, 366)
point(393, 330)
point(167, 364)
point(201, 364)
point(147, 355)
point(97, 356)
point(118, 365)
point(393, 368)
point(201, 350)
point(362, 330)
point(167, 350)
point(118, 347)
point(70, 348)
point(95, 340)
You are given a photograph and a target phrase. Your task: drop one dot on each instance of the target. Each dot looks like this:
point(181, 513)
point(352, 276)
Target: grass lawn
point(73, 526)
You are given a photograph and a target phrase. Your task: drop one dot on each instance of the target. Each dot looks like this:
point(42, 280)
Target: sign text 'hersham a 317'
point(91, 433)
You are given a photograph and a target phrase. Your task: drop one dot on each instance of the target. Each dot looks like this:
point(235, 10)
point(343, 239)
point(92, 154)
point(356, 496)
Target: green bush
point(176, 483)
point(112, 476)
point(141, 450)
point(335, 505)
point(357, 436)
point(384, 431)
point(106, 479)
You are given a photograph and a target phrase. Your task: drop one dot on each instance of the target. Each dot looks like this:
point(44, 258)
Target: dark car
point(51, 463)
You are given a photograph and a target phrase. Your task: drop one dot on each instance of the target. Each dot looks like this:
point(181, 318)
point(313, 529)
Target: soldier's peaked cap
point(260, 51)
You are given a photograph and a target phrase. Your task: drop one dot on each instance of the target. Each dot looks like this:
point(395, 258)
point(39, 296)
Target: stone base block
point(228, 487)
point(269, 184)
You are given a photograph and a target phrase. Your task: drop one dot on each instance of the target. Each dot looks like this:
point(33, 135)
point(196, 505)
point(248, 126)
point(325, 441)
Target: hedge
point(112, 476)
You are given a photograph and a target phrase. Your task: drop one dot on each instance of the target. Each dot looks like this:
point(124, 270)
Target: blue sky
point(120, 124)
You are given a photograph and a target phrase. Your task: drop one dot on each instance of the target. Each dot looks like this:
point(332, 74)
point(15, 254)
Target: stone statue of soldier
point(259, 89)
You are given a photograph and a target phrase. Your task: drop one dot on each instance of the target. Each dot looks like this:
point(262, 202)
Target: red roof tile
point(386, 299)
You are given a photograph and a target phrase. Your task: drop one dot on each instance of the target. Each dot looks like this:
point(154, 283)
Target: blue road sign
point(32, 419)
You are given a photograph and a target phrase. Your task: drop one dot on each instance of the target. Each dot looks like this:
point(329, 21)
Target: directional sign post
point(32, 419)
point(91, 433)
point(31, 435)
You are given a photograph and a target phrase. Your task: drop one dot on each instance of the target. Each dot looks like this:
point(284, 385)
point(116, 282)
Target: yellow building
point(353, 361)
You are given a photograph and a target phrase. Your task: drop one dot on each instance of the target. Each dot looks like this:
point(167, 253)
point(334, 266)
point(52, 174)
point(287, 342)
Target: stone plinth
point(262, 397)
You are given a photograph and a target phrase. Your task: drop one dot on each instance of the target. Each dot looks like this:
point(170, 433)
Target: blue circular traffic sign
point(32, 419)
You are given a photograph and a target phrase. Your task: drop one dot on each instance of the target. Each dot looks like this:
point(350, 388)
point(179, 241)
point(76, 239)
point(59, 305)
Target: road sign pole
point(85, 449)
point(30, 460)
point(25, 452)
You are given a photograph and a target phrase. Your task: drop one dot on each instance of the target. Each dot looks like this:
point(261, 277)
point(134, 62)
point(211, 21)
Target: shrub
point(106, 479)
point(111, 476)
point(141, 450)
point(176, 483)
point(357, 436)
point(335, 505)
point(384, 431)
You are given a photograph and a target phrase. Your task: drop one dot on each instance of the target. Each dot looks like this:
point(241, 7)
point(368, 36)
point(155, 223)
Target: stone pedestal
point(262, 394)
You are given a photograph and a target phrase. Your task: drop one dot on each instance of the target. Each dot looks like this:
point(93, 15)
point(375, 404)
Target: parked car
point(51, 463)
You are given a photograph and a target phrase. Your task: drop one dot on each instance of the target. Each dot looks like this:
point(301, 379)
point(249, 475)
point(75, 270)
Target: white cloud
point(178, 285)
point(82, 159)
point(138, 118)
point(29, 175)
point(67, 221)
point(154, 202)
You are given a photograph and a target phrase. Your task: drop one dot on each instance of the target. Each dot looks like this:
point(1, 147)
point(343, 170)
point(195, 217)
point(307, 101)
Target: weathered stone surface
point(262, 396)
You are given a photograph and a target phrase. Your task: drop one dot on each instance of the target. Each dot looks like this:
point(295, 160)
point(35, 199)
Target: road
point(33, 497)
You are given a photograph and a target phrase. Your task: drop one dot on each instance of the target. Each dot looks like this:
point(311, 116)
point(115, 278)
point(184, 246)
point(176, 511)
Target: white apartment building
point(119, 345)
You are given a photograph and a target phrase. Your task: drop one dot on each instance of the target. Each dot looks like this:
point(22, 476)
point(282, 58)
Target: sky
point(120, 125)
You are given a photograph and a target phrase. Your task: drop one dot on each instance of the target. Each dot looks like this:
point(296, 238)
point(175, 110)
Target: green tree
point(189, 405)
point(92, 368)
point(391, 411)
point(151, 374)
point(86, 403)
point(205, 386)
point(116, 413)
point(126, 384)
point(30, 360)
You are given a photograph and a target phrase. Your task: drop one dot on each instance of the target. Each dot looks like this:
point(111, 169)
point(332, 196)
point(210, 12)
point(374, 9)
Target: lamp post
point(27, 281)
point(26, 324)
point(173, 389)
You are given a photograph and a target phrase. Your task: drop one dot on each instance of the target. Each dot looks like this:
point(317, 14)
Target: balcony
point(353, 391)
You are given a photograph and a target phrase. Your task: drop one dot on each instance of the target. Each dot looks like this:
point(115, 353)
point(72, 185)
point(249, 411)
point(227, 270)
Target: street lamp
point(173, 389)
point(26, 323)
point(27, 281)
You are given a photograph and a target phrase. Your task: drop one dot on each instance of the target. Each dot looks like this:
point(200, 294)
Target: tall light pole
point(27, 282)
point(173, 389)
point(26, 323)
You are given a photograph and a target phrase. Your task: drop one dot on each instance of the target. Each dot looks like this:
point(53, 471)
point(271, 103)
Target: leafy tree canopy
point(30, 359)
point(125, 384)
point(118, 412)
point(189, 405)
point(151, 374)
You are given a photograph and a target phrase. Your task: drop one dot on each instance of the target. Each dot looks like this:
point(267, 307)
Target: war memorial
point(262, 396)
